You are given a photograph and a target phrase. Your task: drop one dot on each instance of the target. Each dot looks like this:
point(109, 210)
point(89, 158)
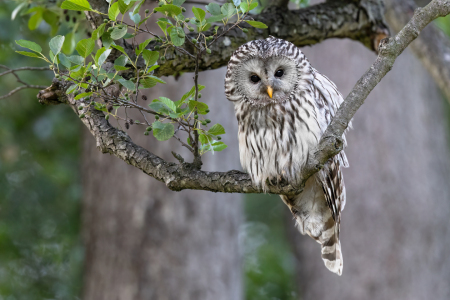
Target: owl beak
point(269, 91)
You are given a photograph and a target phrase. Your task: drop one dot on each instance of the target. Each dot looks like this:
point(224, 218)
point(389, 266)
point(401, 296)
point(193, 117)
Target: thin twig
point(21, 88)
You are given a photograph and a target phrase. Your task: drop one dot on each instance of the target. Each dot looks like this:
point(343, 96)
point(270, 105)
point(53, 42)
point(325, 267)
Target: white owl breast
point(274, 140)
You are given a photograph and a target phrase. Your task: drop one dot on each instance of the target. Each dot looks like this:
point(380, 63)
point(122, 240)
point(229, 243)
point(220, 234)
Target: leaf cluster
point(90, 78)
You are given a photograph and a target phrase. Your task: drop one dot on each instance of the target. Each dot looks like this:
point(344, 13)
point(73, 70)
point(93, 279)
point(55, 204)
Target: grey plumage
point(280, 119)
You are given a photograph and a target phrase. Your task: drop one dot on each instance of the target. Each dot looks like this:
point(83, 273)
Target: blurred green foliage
point(40, 249)
point(444, 24)
point(268, 259)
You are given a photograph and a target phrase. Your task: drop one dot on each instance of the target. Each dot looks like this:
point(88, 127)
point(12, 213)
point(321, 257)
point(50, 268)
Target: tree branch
point(331, 142)
point(432, 47)
point(25, 85)
point(184, 176)
point(177, 177)
point(362, 21)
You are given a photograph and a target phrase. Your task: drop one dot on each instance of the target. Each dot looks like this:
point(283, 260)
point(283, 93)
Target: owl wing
point(328, 99)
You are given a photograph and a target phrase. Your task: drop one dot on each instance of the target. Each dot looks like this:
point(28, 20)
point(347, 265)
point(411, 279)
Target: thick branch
point(177, 177)
point(432, 47)
point(308, 26)
point(331, 142)
point(184, 176)
point(358, 20)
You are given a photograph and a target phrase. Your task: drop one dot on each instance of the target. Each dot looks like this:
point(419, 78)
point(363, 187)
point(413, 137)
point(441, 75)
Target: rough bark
point(362, 21)
point(432, 47)
point(394, 229)
point(144, 241)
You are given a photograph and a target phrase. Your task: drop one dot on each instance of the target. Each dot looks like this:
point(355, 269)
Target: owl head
point(265, 71)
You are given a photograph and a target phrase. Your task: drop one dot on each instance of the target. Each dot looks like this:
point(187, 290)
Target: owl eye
point(279, 73)
point(255, 78)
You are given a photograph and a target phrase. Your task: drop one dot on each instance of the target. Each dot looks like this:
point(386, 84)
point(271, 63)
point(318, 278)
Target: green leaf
point(125, 6)
point(107, 41)
point(97, 33)
point(217, 146)
point(127, 83)
point(29, 45)
point(100, 106)
point(120, 48)
point(163, 26)
point(237, 3)
point(113, 11)
point(150, 81)
point(76, 59)
point(257, 24)
point(170, 9)
point(177, 36)
point(138, 7)
point(83, 95)
point(64, 60)
point(143, 21)
point(216, 129)
point(71, 89)
point(51, 56)
point(120, 68)
point(35, 20)
point(213, 8)
point(215, 18)
point(119, 32)
point(206, 27)
point(228, 10)
point(136, 18)
point(204, 139)
point(102, 57)
point(85, 47)
point(56, 44)
point(201, 107)
point(178, 2)
point(80, 5)
point(152, 68)
point(244, 6)
point(192, 92)
point(51, 19)
point(163, 131)
point(142, 46)
point(252, 6)
point(30, 54)
point(69, 44)
point(198, 13)
point(78, 74)
point(121, 61)
point(159, 107)
point(170, 104)
point(150, 57)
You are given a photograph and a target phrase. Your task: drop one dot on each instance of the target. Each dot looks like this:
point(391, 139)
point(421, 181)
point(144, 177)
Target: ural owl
point(283, 106)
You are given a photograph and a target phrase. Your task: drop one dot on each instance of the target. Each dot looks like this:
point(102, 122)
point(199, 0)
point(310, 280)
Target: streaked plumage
point(280, 118)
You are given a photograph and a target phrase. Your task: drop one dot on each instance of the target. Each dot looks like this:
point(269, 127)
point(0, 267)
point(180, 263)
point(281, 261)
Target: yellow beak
point(269, 91)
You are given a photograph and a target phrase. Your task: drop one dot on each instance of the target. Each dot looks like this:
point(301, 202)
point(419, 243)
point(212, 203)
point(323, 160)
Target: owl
point(283, 106)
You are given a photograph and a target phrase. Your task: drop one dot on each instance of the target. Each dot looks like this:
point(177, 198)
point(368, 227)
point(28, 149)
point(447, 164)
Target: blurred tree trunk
point(395, 227)
point(144, 241)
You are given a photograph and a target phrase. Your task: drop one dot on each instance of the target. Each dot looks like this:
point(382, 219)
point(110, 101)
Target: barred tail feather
point(331, 248)
point(328, 238)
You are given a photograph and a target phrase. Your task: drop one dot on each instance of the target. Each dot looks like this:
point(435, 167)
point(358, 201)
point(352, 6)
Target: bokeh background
point(78, 224)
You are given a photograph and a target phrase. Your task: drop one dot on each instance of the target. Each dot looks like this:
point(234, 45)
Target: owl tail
point(328, 238)
point(331, 247)
point(310, 219)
